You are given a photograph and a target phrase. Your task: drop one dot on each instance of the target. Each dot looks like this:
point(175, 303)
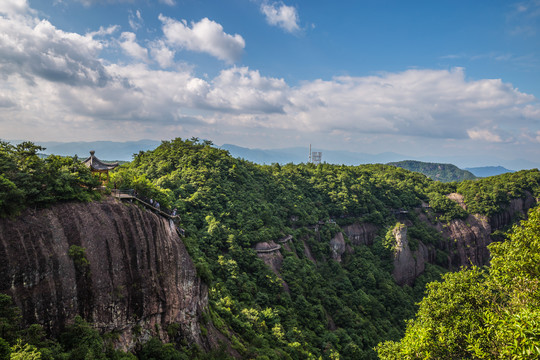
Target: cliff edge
point(128, 271)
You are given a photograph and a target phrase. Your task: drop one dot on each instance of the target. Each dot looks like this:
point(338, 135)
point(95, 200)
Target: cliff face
point(516, 206)
point(361, 234)
point(408, 264)
point(139, 277)
point(466, 240)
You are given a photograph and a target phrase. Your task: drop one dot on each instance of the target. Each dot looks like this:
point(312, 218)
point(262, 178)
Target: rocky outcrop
point(269, 253)
point(516, 207)
point(337, 246)
point(467, 241)
point(361, 234)
point(135, 276)
point(408, 265)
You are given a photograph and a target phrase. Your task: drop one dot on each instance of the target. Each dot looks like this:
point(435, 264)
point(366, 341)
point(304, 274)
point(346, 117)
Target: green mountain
point(298, 261)
point(436, 171)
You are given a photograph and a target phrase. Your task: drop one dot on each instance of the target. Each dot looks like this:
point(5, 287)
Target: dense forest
point(436, 171)
point(481, 313)
point(315, 306)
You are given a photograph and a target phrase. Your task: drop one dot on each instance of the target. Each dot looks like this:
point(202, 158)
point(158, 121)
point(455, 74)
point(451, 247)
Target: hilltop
point(436, 171)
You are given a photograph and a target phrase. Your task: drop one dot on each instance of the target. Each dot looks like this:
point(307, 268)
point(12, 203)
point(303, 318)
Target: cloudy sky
point(438, 78)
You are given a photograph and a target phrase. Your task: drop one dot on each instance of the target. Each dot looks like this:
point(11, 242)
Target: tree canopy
point(491, 313)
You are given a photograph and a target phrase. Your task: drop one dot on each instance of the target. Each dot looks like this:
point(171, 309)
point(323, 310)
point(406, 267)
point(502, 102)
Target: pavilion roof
point(97, 165)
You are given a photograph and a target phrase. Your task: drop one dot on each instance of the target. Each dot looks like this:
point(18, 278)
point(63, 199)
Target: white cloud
point(135, 20)
point(13, 7)
point(167, 2)
point(103, 31)
point(32, 47)
point(484, 135)
point(93, 2)
point(55, 85)
point(246, 91)
point(129, 45)
point(162, 54)
point(279, 14)
point(204, 36)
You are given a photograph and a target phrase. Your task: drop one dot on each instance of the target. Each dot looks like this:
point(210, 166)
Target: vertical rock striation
point(139, 280)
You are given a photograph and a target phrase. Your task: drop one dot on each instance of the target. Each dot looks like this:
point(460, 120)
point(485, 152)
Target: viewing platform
point(131, 195)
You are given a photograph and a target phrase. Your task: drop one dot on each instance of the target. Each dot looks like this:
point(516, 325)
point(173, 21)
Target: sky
point(423, 78)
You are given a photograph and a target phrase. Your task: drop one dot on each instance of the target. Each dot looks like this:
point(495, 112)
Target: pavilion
point(98, 166)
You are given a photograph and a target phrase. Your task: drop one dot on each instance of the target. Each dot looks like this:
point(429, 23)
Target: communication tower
point(314, 156)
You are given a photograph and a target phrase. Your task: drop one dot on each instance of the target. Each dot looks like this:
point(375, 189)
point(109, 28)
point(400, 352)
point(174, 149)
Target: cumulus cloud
point(281, 15)
point(129, 44)
point(205, 36)
point(13, 7)
point(162, 54)
point(429, 103)
point(246, 91)
point(32, 47)
point(55, 83)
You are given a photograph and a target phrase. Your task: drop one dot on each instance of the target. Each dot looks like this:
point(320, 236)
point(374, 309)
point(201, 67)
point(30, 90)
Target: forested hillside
point(481, 313)
point(311, 303)
point(313, 306)
point(436, 171)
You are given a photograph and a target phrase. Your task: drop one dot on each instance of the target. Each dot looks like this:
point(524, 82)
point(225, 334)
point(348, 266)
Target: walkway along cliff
point(119, 266)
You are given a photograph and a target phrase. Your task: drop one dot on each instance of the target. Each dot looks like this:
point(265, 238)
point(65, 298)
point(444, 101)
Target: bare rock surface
point(361, 234)
point(139, 274)
point(408, 265)
point(269, 253)
point(337, 246)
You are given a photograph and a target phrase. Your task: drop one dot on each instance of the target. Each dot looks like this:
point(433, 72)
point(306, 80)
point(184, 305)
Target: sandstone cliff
point(139, 280)
point(408, 265)
point(465, 240)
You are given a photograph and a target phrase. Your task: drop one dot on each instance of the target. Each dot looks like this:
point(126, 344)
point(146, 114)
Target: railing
point(131, 194)
point(263, 251)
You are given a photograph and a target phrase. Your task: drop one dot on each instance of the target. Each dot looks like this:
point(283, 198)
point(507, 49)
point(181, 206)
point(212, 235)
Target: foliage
point(491, 195)
point(482, 314)
point(227, 205)
point(28, 180)
point(315, 307)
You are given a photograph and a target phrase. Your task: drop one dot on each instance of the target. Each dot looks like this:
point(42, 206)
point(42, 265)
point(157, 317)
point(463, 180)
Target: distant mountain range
point(105, 150)
point(124, 151)
point(436, 171)
point(301, 155)
point(486, 171)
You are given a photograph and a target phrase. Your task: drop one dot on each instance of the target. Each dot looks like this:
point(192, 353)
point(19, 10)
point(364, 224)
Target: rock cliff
point(465, 241)
point(133, 277)
point(408, 264)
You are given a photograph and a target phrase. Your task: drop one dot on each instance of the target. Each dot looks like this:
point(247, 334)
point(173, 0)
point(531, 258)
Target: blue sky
point(422, 78)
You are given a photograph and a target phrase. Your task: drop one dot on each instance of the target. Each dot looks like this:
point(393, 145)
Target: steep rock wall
point(467, 241)
point(337, 246)
point(408, 264)
point(140, 275)
point(361, 233)
point(518, 206)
